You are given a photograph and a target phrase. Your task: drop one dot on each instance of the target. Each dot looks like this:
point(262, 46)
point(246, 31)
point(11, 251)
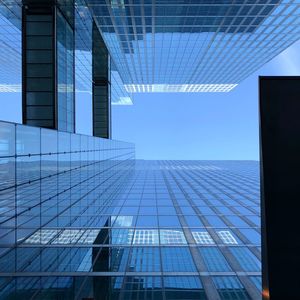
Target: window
point(146, 237)
point(183, 287)
point(247, 260)
point(177, 259)
point(121, 236)
point(257, 281)
point(202, 237)
point(237, 221)
point(214, 259)
point(252, 235)
point(136, 287)
point(118, 261)
point(215, 221)
point(65, 74)
point(147, 221)
point(168, 237)
point(169, 221)
point(144, 259)
point(193, 221)
point(230, 288)
point(254, 219)
point(227, 237)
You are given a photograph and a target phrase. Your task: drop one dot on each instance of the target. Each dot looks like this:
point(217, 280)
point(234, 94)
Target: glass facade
point(165, 46)
point(65, 74)
point(194, 46)
point(80, 19)
point(57, 190)
point(77, 222)
point(80, 218)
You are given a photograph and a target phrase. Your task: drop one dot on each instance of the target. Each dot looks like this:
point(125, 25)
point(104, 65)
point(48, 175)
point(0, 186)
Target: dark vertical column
point(101, 87)
point(38, 64)
point(101, 263)
point(280, 165)
point(48, 64)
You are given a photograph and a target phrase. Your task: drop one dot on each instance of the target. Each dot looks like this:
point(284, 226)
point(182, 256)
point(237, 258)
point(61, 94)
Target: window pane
point(144, 259)
point(214, 259)
point(177, 259)
point(247, 260)
point(229, 288)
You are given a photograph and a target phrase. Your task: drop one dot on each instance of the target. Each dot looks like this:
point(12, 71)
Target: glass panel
point(118, 259)
point(177, 259)
point(257, 282)
point(144, 260)
point(193, 221)
point(252, 235)
point(65, 74)
point(27, 140)
point(172, 237)
point(227, 237)
point(147, 221)
point(214, 259)
point(203, 238)
point(121, 236)
point(247, 260)
point(237, 221)
point(7, 139)
point(146, 237)
point(137, 287)
point(169, 221)
point(215, 221)
point(183, 287)
point(229, 287)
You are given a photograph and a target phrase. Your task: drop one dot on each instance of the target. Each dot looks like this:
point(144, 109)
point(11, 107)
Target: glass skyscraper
point(169, 230)
point(193, 46)
point(80, 218)
point(164, 45)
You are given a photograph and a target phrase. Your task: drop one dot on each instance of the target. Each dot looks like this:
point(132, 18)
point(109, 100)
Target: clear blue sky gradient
point(213, 126)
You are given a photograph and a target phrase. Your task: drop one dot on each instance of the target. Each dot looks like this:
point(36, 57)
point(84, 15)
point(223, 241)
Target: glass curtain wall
point(176, 230)
point(57, 193)
point(65, 74)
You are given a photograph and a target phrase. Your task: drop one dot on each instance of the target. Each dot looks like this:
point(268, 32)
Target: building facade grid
point(146, 246)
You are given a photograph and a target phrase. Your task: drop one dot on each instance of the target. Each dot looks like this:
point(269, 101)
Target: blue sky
point(196, 126)
point(200, 125)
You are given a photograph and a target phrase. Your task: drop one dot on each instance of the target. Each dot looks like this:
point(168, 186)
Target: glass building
point(193, 46)
point(168, 230)
point(57, 191)
point(162, 45)
point(80, 218)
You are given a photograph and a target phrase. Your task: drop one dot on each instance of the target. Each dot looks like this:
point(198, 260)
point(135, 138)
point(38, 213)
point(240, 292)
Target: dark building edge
point(279, 107)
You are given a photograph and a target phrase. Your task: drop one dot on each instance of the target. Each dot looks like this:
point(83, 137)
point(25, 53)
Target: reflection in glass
point(177, 259)
point(229, 287)
point(80, 210)
point(169, 237)
point(146, 237)
point(214, 259)
point(203, 238)
point(184, 287)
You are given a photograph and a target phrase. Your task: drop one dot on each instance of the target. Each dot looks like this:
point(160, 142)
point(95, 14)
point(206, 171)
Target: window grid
point(104, 239)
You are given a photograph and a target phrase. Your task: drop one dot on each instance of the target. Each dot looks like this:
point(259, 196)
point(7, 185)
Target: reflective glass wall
point(193, 46)
point(178, 230)
point(57, 190)
point(80, 19)
point(65, 74)
point(188, 230)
